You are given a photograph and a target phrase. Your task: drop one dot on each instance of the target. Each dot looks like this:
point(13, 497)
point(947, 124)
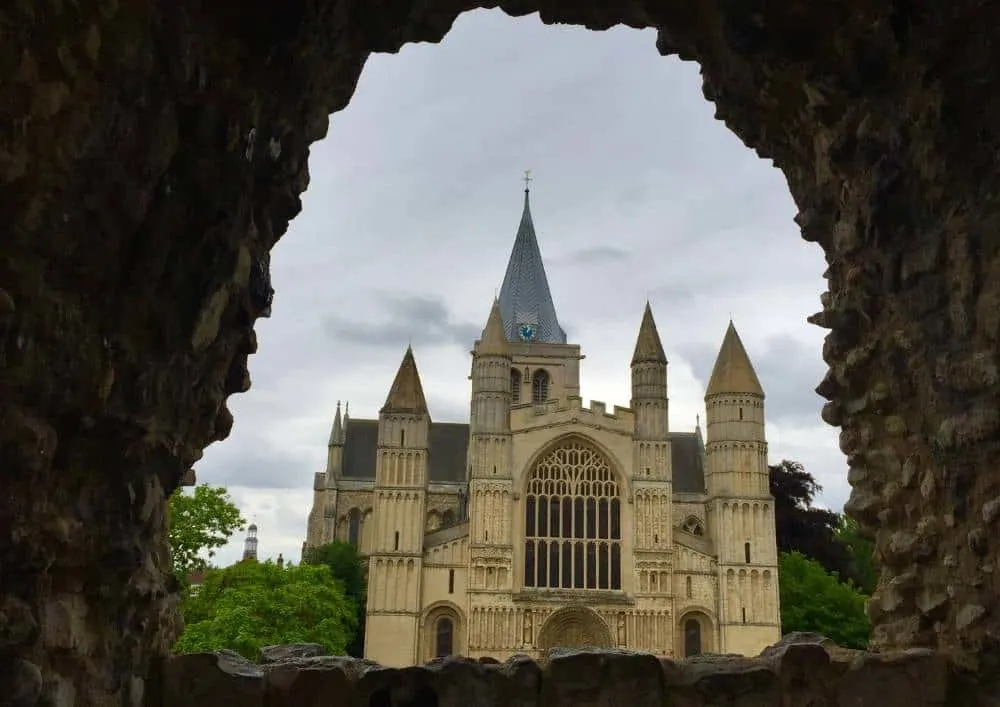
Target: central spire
point(525, 301)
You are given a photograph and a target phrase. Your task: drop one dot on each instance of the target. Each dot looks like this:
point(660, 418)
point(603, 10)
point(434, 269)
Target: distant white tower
point(250, 544)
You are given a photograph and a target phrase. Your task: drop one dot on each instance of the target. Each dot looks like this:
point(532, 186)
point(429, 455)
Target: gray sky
point(409, 219)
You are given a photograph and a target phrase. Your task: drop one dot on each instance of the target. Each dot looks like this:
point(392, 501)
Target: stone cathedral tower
point(546, 522)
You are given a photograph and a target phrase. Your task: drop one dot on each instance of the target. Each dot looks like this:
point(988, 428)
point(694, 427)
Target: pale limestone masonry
point(548, 523)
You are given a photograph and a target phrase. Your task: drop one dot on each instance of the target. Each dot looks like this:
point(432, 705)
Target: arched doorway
point(694, 634)
point(575, 627)
point(442, 632)
point(692, 638)
point(444, 637)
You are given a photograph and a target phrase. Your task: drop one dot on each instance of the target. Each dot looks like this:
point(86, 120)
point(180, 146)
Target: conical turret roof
point(648, 347)
point(407, 393)
point(525, 299)
point(494, 339)
point(733, 372)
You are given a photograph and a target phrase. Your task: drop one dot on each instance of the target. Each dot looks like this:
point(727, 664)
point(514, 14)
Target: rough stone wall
point(152, 152)
point(798, 672)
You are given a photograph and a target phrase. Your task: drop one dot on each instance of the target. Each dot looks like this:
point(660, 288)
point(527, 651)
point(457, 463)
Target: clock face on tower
point(526, 332)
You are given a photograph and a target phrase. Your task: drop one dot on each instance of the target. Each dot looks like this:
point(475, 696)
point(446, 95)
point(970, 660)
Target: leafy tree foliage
point(802, 528)
point(200, 522)
point(861, 551)
point(250, 605)
point(346, 565)
point(814, 600)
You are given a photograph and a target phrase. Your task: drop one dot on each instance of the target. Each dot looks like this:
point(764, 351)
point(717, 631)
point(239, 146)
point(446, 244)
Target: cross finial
point(527, 178)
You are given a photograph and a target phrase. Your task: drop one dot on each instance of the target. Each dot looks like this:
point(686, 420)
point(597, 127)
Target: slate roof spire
point(733, 372)
point(407, 392)
point(524, 295)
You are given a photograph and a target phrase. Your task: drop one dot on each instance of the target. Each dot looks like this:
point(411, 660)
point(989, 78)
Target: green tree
point(801, 527)
point(251, 604)
point(345, 565)
point(862, 554)
point(200, 522)
point(814, 600)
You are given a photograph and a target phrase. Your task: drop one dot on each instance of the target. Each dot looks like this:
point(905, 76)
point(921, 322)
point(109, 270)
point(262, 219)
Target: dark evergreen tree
point(802, 528)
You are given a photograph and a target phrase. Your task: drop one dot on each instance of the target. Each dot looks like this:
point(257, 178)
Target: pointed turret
point(337, 431)
point(648, 347)
point(649, 382)
point(733, 372)
point(525, 301)
point(494, 339)
point(407, 393)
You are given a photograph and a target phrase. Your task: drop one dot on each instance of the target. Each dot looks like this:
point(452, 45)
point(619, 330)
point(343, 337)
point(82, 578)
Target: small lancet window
point(515, 385)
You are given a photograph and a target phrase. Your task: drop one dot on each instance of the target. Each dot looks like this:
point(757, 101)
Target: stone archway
point(694, 634)
point(157, 154)
point(574, 627)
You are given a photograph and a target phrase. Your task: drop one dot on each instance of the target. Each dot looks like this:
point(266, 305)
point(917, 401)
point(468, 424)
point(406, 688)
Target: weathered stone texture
point(798, 672)
point(152, 152)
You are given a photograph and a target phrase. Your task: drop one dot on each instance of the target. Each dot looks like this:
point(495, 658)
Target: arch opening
point(574, 627)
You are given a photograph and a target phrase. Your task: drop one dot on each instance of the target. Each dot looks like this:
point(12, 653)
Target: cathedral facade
point(544, 522)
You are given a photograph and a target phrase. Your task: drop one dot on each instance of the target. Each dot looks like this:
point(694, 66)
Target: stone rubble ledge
point(802, 670)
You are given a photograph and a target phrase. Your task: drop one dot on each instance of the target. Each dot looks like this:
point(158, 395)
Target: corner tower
point(399, 509)
point(652, 477)
point(489, 460)
point(740, 507)
point(320, 525)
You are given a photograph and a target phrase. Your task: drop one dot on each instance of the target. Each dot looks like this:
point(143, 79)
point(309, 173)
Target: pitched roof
point(733, 372)
point(648, 347)
point(407, 393)
point(446, 459)
point(449, 442)
point(524, 295)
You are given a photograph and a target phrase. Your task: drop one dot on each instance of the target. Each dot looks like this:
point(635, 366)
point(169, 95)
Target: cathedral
point(544, 522)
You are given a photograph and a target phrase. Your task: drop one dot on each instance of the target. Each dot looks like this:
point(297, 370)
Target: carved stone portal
point(576, 627)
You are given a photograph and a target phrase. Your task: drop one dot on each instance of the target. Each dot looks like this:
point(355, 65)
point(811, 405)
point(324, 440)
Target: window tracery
point(573, 521)
point(694, 526)
point(540, 386)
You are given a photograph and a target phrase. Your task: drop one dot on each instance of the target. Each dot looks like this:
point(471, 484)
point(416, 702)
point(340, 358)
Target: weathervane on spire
point(527, 178)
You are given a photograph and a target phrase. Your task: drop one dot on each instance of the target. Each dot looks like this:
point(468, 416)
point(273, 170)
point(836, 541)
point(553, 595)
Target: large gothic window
point(540, 386)
point(445, 638)
point(515, 385)
point(572, 524)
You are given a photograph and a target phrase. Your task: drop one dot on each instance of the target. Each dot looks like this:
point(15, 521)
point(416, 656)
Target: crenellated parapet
point(572, 410)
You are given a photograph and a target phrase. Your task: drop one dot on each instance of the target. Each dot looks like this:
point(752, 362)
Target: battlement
point(570, 408)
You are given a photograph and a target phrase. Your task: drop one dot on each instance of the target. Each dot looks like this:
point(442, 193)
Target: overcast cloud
point(409, 219)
